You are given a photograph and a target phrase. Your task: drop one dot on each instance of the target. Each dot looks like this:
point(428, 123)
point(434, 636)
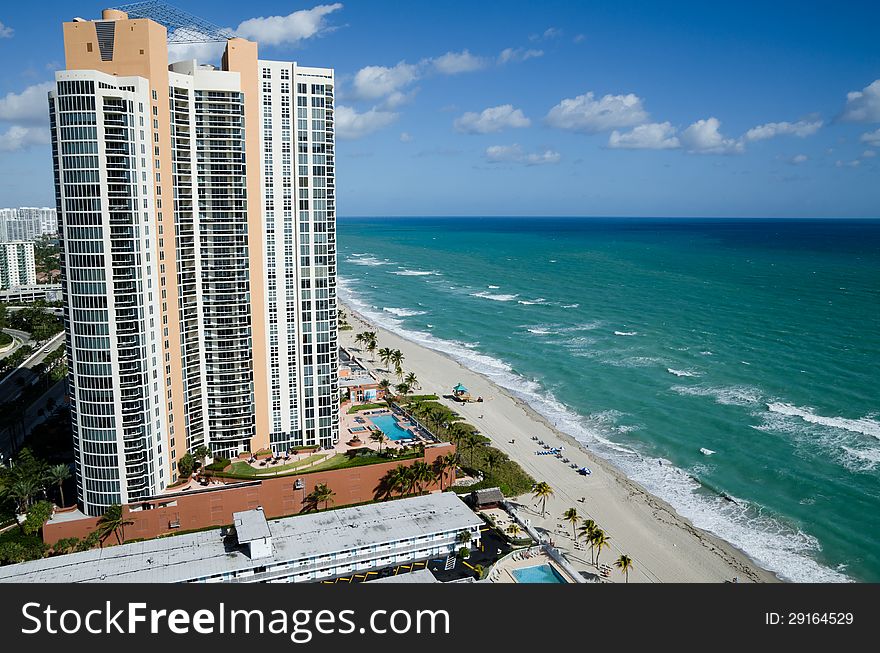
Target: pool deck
point(521, 559)
point(348, 422)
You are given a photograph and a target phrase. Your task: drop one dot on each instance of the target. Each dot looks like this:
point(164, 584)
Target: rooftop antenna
point(182, 26)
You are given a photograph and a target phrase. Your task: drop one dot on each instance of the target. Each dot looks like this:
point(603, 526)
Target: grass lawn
point(5, 338)
point(360, 407)
point(241, 468)
point(341, 461)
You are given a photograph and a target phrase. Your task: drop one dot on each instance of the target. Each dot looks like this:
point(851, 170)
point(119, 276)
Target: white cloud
point(490, 120)
point(872, 138)
point(549, 33)
point(704, 137)
point(453, 63)
point(515, 55)
point(6, 32)
point(586, 114)
point(18, 137)
point(201, 52)
point(31, 106)
point(290, 29)
point(864, 105)
point(373, 82)
point(652, 136)
point(515, 154)
point(869, 154)
point(271, 30)
point(405, 137)
point(797, 159)
point(801, 128)
point(580, 38)
point(351, 125)
point(855, 163)
point(397, 99)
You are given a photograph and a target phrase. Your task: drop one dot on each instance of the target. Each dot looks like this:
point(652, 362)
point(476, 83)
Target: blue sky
point(550, 108)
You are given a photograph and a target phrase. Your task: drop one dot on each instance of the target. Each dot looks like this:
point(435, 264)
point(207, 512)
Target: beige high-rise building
point(197, 218)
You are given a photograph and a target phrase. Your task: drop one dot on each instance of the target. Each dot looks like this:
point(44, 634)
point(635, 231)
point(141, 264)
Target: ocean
point(731, 367)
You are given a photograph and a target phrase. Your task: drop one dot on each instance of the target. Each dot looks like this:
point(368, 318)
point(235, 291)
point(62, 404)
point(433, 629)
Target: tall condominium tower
point(197, 217)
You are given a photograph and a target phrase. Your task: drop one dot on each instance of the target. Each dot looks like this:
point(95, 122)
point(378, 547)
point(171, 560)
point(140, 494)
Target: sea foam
point(682, 372)
point(494, 298)
point(414, 273)
point(402, 312)
point(864, 425)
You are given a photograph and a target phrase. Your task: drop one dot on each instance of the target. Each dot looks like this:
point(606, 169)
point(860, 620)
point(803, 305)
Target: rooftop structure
point(182, 26)
point(306, 548)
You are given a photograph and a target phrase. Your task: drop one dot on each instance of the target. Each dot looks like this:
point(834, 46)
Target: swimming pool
point(538, 574)
point(357, 429)
point(388, 425)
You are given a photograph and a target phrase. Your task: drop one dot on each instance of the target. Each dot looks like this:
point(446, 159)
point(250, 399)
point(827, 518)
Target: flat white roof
point(185, 557)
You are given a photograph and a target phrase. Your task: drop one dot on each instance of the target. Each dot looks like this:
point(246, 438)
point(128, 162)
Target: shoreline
point(666, 545)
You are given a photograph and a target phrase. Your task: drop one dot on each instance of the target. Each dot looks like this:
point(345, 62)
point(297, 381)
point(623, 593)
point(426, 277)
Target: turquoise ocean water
point(650, 340)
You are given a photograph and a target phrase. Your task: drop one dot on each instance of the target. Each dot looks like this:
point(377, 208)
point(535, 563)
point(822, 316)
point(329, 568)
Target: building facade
point(17, 267)
point(175, 235)
point(27, 223)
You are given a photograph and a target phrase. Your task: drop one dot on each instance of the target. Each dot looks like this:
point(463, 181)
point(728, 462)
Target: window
point(88, 47)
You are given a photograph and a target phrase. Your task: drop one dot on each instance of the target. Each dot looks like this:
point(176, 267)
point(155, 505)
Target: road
point(54, 396)
point(10, 386)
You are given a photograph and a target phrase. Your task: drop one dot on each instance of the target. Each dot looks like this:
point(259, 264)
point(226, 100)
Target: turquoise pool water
point(388, 425)
point(538, 574)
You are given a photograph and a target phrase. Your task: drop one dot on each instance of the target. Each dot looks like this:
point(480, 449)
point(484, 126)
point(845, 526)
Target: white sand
point(664, 546)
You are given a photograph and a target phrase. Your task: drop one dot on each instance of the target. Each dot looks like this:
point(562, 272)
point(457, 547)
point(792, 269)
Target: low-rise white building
point(299, 549)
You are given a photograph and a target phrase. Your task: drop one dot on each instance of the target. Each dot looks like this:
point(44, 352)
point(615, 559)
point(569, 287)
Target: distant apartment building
point(17, 267)
point(27, 223)
point(197, 215)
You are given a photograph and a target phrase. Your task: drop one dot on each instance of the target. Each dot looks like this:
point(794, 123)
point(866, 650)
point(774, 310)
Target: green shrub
point(218, 465)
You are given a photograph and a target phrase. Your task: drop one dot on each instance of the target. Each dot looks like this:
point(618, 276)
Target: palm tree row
point(415, 478)
point(598, 540)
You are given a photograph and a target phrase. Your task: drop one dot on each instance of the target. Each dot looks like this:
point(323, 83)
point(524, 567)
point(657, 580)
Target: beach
point(664, 546)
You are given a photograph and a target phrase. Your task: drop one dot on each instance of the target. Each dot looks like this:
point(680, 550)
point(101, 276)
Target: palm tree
point(464, 537)
point(202, 454)
point(422, 474)
point(412, 381)
point(600, 541)
point(397, 359)
point(571, 516)
point(444, 464)
point(470, 442)
point(22, 490)
point(494, 457)
point(624, 563)
point(402, 389)
point(378, 436)
point(542, 491)
point(385, 356)
point(322, 494)
point(400, 479)
point(384, 386)
point(587, 529)
point(113, 522)
point(57, 475)
point(513, 530)
point(371, 343)
point(359, 339)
